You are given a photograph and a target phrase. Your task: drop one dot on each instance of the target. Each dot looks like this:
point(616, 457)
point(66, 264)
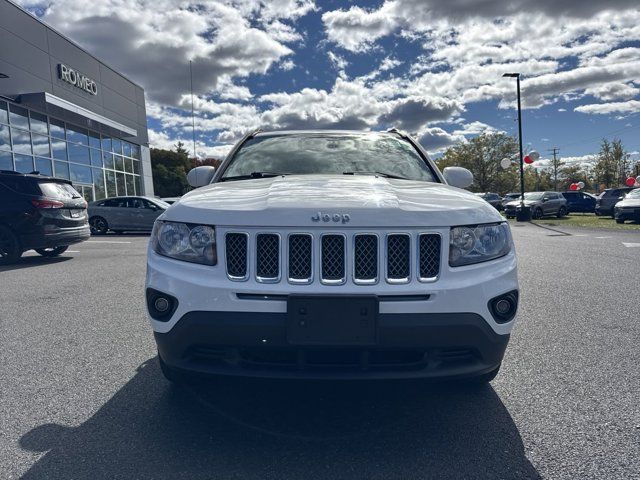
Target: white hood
point(369, 201)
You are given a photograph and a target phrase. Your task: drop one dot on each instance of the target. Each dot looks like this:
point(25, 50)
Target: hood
point(366, 200)
point(629, 202)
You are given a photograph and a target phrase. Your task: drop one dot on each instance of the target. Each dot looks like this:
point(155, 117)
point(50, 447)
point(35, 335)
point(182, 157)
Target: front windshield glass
point(329, 154)
point(634, 193)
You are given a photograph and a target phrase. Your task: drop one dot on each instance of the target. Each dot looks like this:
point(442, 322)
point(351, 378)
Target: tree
point(170, 171)
point(482, 156)
point(612, 164)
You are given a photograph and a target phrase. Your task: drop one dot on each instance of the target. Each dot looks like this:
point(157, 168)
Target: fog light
point(504, 307)
point(162, 304)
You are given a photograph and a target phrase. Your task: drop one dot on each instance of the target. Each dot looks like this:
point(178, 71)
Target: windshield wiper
point(379, 174)
point(254, 175)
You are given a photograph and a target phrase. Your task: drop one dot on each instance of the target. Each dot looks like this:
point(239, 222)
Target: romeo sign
point(77, 79)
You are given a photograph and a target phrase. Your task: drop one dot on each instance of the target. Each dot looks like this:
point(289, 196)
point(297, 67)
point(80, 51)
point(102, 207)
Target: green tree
point(612, 163)
point(170, 171)
point(482, 156)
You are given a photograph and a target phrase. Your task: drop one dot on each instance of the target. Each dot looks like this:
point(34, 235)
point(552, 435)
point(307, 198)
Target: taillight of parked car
point(44, 203)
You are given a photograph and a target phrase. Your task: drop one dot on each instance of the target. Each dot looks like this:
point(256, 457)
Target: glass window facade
point(101, 165)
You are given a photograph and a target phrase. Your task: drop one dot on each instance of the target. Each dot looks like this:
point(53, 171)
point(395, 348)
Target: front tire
point(52, 252)
point(10, 249)
point(98, 225)
point(562, 212)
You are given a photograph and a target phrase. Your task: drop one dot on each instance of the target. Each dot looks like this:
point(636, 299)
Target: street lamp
point(524, 214)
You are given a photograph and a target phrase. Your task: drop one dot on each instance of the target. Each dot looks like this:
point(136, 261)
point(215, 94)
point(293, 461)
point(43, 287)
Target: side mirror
point(545, 199)
point(458, 177)
point(621, 198)
point(200, 176)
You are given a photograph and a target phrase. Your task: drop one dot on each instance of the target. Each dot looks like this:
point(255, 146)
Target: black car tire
point(52, 252)
point(10, 249)
point(562, 212)
point(536, 214)
point(98, 225)
point(619, 220)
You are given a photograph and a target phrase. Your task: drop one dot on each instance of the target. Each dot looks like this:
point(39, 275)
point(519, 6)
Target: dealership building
point(65, 113)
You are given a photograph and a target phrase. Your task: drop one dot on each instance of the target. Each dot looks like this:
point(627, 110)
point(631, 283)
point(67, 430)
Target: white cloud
point(356, 29)
point(631, 106)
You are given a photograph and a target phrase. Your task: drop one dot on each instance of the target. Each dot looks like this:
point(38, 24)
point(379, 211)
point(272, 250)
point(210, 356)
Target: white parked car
point(331, 254)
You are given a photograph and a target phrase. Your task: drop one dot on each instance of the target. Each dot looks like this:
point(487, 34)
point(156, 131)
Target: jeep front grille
point(300, 258)
point(398, 258)
point(236, 252)
point(333, 268)
point(333, 258)
point(268, 257)
point(365, 258)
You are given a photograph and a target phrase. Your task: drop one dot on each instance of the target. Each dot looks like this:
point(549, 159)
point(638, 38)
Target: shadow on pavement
point(34, 261)
point(239, 428)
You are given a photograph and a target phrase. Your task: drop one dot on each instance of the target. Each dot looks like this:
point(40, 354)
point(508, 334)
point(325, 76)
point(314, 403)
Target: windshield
point(330, 154)
point(161, 203)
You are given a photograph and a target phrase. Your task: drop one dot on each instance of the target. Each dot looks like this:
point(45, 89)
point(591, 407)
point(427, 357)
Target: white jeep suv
point(331, 254)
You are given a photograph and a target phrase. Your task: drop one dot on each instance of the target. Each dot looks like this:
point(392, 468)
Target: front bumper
point(408, 346)
point(627, 214)
point(439, 329)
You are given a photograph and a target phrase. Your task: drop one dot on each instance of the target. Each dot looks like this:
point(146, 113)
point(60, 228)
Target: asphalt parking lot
point(83, 397)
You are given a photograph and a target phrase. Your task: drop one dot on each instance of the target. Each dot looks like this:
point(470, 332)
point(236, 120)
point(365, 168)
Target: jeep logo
point(328, 217)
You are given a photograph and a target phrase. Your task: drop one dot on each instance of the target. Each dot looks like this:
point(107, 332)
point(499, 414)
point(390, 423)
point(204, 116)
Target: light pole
point(524, 214)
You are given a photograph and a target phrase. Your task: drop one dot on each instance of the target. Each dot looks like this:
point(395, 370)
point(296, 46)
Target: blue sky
point(432, 68)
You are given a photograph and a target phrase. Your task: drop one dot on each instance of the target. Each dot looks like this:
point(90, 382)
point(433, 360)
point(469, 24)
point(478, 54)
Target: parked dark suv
point(608, 199)
point(493, 198)
point(41, 213)
point(580, 202)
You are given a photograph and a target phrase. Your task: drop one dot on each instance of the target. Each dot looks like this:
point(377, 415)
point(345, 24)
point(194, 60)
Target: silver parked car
point(541, 204)
point(124, 214)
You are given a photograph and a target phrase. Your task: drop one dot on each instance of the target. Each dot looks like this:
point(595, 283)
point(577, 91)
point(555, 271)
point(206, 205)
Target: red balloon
point(527, 159)
point(630, 182)
point(573, 186)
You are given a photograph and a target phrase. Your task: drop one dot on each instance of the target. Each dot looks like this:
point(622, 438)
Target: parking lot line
point(105, 241)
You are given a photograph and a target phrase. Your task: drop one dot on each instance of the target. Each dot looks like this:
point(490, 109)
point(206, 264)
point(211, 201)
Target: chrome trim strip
point(357, 281)
point(342, 280)
point(255, 242)
point(300, 281)
point(226, 263)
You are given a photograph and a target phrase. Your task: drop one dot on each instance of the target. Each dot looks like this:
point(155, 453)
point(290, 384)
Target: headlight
point(477, 244)
point(185, 241)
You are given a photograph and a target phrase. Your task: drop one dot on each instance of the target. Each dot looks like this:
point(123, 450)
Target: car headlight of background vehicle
point(185, 241)
point(481, 243)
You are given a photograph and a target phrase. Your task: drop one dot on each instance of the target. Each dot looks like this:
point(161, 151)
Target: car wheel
point(52, 252)
point(98, 225)
point(10, 250)
point(536, 214)
point(619, 220)
point(562, 212)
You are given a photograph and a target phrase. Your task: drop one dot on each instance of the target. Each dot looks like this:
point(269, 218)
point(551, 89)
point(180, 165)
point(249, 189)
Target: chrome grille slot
point(267, 257)
point(300, 258)
point(429, 256)
point(332, 252)
point(398, 258)
point(236, 254)
point(365, 258)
